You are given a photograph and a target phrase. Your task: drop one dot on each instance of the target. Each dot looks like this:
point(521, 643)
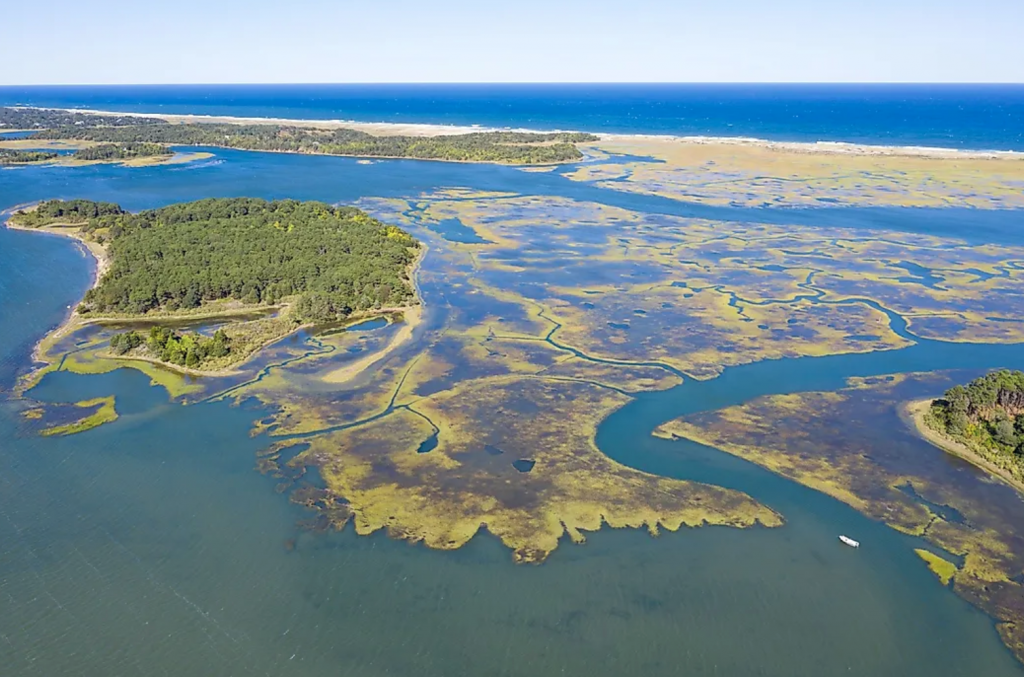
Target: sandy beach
point(913, 414)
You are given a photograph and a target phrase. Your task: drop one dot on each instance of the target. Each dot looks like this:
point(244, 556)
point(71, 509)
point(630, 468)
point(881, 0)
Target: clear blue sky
point(217, 41)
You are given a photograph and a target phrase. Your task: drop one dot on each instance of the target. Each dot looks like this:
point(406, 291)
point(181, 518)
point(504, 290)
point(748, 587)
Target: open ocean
point(979, 117)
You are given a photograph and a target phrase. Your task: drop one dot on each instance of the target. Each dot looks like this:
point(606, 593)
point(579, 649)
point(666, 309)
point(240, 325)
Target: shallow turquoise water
point(152, 546)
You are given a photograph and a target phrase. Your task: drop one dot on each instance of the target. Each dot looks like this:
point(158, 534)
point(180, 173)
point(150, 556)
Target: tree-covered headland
point(65, 213)
point(318, 262)
point(10, 156)
point(120, 151)
point(500, 147)
point(987, 416)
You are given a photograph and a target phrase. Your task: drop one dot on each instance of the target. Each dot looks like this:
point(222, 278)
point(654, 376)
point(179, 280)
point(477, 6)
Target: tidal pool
point(151, 543)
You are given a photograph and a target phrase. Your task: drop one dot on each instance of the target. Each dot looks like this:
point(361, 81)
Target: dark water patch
point(944, 511)
point(67, 387)
point(985, 276)
point(363, 325)
point(493, 450)
point(773, 267)
point(454, 230)
point(863, 337)
point(639, 312)
point(919, 275)
point(289, 453)
point(618, 325)
point(588, 305)
point(427, 445)
point(312, 476)
point(524, 465)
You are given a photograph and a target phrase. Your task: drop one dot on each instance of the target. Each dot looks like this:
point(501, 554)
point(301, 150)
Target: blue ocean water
point(949, 116)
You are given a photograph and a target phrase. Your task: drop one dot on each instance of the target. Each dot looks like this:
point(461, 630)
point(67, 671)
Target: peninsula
point(982, 422)
point(263, 268)
point(505, 147)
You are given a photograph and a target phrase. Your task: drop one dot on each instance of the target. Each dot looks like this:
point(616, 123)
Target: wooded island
point(297, 262)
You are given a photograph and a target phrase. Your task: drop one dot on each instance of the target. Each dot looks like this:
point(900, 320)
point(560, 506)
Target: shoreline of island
point(434, 130)
point(914, 413)
point(100, 265)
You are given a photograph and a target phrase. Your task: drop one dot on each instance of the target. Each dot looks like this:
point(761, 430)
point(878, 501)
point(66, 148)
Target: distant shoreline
point(429, 130)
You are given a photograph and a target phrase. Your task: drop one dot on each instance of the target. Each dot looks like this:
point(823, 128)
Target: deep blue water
point(954, 116)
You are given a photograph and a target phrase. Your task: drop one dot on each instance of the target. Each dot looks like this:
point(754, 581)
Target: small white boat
point(849, 541)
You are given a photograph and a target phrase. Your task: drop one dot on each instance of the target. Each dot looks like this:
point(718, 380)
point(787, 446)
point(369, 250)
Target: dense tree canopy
point(44, 118)
point(66, 212)
point(19, 157)
point(512, 147)
point(336, 260)
point(987, 415)
point(121, 151)
point(507, 147)
point(190, 349)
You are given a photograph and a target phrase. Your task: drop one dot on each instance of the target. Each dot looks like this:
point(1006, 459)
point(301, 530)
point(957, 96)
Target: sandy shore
point(411, 129)
point(375, 128)
point(412, 317)
point(913, 413)
point(817, 147)
point(102, 261)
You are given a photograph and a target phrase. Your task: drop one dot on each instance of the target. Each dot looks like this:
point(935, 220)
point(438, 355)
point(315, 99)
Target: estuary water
point(151, 546)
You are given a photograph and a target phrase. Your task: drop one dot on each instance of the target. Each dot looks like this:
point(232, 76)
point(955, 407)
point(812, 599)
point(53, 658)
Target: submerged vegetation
point(986, 416)
point(499, 146)
point(104, 413)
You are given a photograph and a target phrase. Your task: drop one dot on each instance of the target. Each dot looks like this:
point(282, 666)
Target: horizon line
point(876, 83)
